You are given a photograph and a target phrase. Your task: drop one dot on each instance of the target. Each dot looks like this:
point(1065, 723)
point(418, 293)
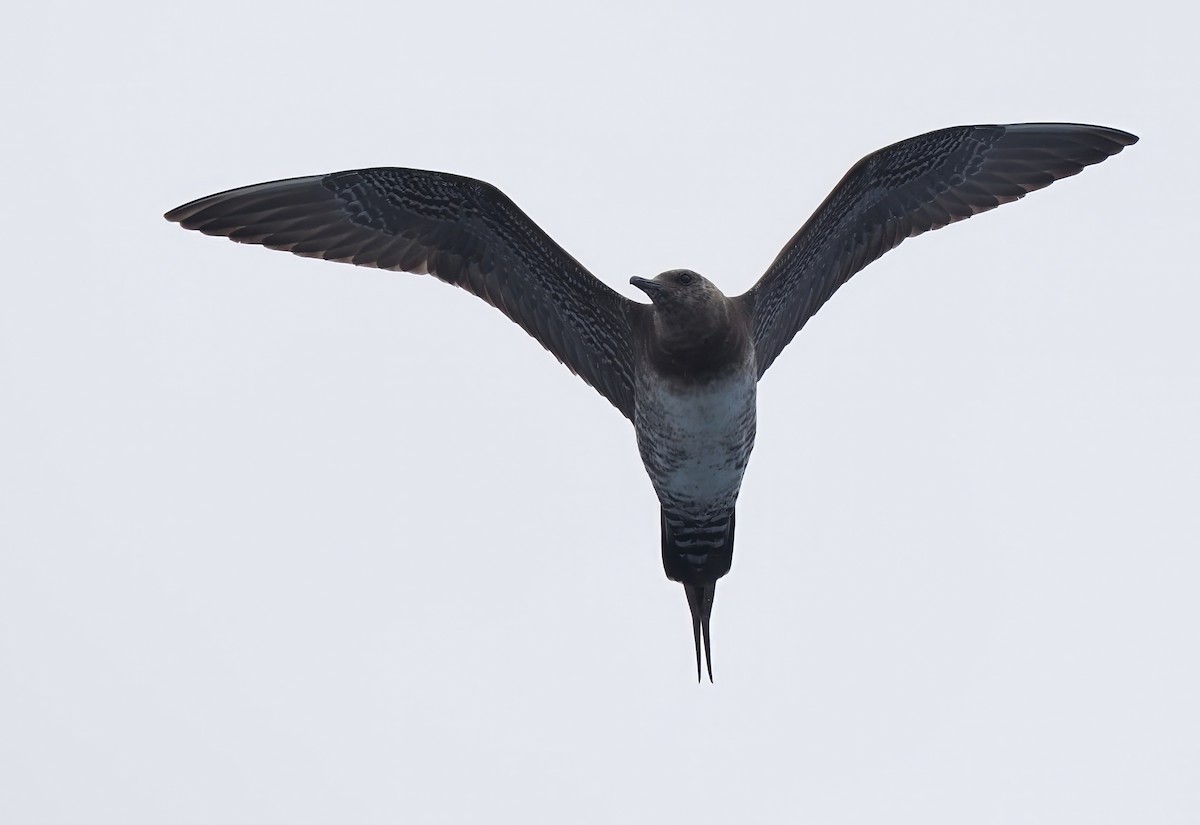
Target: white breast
point(695, 441)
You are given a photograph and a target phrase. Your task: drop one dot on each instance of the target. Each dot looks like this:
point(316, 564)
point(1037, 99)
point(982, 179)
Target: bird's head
point(689, 310)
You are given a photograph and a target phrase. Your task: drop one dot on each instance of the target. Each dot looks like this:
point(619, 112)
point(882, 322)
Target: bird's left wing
point(462, 231)
point(910, 187)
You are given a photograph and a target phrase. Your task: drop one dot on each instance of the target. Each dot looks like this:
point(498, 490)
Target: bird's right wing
point(913, 186)
point(462, 231)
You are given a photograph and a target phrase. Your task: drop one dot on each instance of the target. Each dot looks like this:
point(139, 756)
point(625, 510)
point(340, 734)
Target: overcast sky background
point(285, 541)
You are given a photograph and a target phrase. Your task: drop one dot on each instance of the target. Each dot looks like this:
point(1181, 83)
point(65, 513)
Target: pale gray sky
point(283, 541)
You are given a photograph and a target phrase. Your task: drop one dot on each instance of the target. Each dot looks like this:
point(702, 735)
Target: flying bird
point(683, 368)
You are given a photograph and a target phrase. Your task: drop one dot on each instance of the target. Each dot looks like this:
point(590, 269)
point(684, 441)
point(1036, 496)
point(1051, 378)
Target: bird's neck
point(706, 341)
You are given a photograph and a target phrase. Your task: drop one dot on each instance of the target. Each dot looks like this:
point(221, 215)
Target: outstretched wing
point(462, 231)
point(911, 187)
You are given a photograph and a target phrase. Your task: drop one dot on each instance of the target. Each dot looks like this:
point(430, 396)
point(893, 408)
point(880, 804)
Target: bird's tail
point(697, 552)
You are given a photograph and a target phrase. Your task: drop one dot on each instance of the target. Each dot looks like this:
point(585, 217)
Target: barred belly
point(695, 440)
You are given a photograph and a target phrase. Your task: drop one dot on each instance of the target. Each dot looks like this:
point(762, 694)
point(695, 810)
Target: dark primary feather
point(462, 231)
point(911, 187)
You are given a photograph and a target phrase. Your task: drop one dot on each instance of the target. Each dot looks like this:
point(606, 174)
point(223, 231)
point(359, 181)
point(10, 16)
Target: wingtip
point(1105, 138)
point(181, 213)
point(1118, 136)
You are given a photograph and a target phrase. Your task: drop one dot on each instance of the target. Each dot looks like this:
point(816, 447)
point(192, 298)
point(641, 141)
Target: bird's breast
point(695, 438)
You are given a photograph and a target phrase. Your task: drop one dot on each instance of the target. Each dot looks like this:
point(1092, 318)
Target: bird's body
point(694, 403)
point(695, 437)
point(683, 369)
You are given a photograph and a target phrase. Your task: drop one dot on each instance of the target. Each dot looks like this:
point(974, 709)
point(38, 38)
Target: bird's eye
point(685, 278)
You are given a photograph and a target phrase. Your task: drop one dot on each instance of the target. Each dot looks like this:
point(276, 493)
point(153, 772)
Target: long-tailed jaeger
point(684, 367)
